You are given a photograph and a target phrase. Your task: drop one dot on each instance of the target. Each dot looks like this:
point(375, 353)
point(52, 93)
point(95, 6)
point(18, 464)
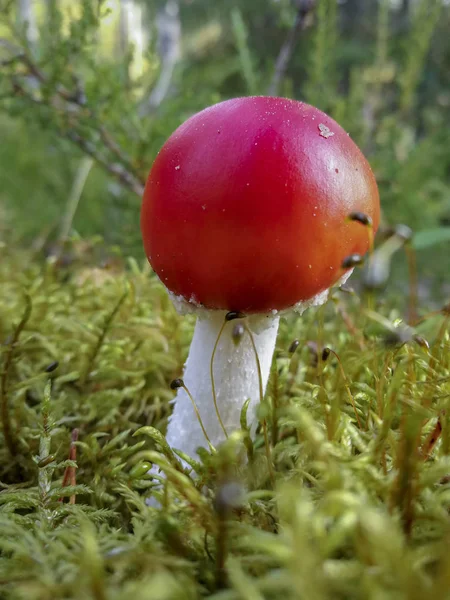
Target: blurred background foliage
point(90, 89)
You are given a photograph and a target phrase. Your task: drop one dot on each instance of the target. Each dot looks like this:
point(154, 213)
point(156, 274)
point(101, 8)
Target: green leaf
point(431, 237)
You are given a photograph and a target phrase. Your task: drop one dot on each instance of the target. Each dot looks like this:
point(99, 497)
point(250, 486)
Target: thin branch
point(169, 35)
point(20, 54)
point(10, 61)
point(12, 48)
point(73, 104)
point(114, 147)
point(287, 49)
point(117, 170)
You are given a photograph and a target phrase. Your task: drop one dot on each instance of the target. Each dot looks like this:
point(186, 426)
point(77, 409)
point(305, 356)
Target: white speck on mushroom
point(204, 206)
point(177, 168)
point(310, 266)
point(325, 131)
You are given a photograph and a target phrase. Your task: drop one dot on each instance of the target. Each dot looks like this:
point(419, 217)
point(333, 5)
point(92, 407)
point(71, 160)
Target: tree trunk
point(132, 33)
point(169, 37)
point(26, 18)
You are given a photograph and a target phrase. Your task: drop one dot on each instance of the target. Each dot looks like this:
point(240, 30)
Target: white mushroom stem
point(235, 376)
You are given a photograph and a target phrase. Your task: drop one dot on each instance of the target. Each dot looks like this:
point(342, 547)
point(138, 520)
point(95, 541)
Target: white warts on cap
point(325, 131)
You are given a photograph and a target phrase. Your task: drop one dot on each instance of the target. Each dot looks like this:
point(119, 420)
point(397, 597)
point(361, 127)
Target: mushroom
point(246, 210)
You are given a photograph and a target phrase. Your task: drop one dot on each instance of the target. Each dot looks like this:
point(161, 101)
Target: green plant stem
point(101, 338)
point(44, 474)
point(76, 192)
point(347, 388)
point(10, 440)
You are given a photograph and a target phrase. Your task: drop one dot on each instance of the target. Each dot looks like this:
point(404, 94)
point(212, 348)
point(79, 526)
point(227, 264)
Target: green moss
point(360, 505)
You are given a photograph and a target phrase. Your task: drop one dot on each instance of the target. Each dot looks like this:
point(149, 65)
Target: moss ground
point(355, 506)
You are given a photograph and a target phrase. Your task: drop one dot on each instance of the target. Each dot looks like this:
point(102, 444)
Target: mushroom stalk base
point(235, 378)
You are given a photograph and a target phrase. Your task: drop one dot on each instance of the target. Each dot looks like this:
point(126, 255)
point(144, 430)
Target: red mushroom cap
point(246, 205)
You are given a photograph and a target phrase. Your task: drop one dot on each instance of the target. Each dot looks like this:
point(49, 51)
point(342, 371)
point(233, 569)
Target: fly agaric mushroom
point(246, 209)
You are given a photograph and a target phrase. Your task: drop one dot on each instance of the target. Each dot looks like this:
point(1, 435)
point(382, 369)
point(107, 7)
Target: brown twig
point(413, 284)
point(116, 169)
point(431, 440)
point(70, 477)
point(285, 54)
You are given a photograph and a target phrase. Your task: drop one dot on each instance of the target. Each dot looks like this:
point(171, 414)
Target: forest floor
point(348, 496)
